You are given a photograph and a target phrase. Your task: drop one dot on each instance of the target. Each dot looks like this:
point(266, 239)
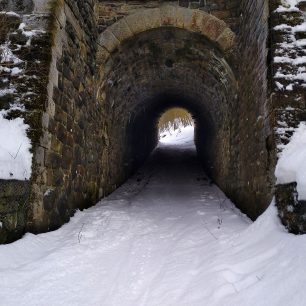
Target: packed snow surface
point(15, 155)
point(291, 166)
point(168, 237)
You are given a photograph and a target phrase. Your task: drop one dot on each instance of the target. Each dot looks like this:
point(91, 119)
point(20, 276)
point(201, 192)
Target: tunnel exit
point(176, 127)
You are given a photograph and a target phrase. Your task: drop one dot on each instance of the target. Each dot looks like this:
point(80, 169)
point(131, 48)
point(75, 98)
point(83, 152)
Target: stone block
point(168, 15)
point(40, 156)
point(108, 40)
point(121, 30)
point(183, 18)
point(226, 40)
point(136, 22)
point(56, 145)
point(53, 160)
point(212, 27)
point(102, 55)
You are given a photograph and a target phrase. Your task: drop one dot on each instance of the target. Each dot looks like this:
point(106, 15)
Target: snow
point(7, 91)
point(288, 6)
point(9, 13)
point(7, 55)
point(16, 71)
point(291, 50)
point(167, 237)
point(29, 33)
point(294, 61)
point(183, 136)
point(15, 155)
point(291, 166)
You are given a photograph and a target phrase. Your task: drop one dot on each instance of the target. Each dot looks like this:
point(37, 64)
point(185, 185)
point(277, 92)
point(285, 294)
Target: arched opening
point(172, 123)
point(142, 131)
point(153, 71)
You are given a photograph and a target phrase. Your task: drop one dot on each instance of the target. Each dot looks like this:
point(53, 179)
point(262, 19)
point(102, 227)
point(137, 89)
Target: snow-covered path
point(165, 238)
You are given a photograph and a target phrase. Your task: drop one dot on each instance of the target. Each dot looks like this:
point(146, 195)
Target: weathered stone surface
point(23, 6)
point(226, 40)
point(109, 41)
point(121, 30)
point(14, 198)
point(291, 211)
point(287, 103)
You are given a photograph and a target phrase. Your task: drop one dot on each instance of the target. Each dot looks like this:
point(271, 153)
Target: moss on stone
point(13, 198)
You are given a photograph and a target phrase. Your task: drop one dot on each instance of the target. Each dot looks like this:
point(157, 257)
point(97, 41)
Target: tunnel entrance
point(106, 74)
point(144, 64)
point(159, 69)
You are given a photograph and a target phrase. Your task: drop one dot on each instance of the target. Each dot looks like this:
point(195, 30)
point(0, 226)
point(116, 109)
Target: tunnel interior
point(142, 130)
point(154, 71)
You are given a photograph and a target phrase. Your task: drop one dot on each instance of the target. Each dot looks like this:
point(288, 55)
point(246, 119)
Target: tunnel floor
point(166, 237)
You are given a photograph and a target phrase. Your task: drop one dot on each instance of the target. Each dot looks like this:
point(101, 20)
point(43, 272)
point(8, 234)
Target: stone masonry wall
point(77, 163)
point(14, 200)
point(70, 148)
point(288, 96)
point(24, 67)
point(252, 167)
point(111, 11)
point(248, 181)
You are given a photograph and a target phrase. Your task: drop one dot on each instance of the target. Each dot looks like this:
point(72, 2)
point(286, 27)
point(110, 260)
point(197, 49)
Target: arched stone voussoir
point(108, 41)
point(226, 40)
point(212, 27)
point(121, 30)
point(144, 20)
point(191, 20)
point(168, 15)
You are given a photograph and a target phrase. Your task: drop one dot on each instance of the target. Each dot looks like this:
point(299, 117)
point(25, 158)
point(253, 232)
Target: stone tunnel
point(106, 70)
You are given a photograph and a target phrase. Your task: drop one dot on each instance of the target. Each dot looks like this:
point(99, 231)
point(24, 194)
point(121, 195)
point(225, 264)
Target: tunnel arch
point(195, 21)
point(99, 94)
point(143, 130)
point(163, 57)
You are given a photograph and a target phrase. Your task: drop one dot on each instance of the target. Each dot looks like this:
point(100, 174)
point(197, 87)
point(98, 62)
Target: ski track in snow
point(167, 237)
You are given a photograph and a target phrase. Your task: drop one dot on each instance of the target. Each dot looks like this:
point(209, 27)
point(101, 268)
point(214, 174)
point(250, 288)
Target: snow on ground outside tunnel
point(165, 238)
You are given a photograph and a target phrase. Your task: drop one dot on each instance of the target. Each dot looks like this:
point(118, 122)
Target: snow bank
point(180, 136)
point(172, 240)
point(290, 50)
point(9, 13)
point(291, 166)
point(15, 156)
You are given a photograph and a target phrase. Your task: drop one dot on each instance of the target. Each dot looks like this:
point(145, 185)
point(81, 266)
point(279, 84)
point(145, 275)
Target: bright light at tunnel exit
point(175, 125)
